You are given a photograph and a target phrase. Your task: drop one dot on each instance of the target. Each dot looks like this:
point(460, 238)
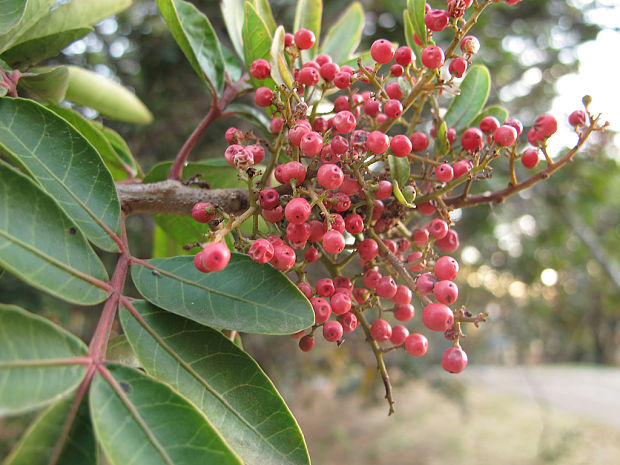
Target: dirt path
point(589, 391)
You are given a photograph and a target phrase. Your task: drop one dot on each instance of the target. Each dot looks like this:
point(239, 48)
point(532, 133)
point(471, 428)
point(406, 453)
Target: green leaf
point(252, 115)
point(399, 169)
point(48, 83)
point(232, 65)
point(264, 10)
point(35, 366)
point(217, 172)
point(42, 246)
point(37, 445)
point(279, 68)
point(65, 165)
point(400, 195)
point(494, 110)
point(31, 52)
point(71, 16)
point(416, 9)
point(119, 145)
point(474, 93)
point(442, 145)
point(308, 16)
point(164, 245)
point(196, 37)
point(256, 42)
point(141, 421)
point(232, 10)
point(246, 296)
point(409, 38)
point(35, 9)
point(182, 229)
point(94, 135)
point(224, 382)
point(120, 351)
point(344, 36)
point(106, 96)
point(12, 12)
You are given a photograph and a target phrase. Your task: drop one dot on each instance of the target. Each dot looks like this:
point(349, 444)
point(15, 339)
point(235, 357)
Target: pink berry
point(386, 287)
point(341, 303)
point(425, 283)
point(377, 142)
point(446, 292)
point(333, 242)
point(199, 263)
point(404, 56)
point(306, 343)
point(382, 51)
point(577, 118)
point(283, 257)
point(371, 277)
point(436, 20)
point(273, 216)
point(449, 243)
point(397, 70)
point(322, 309)
point(380, 331)
point(261, 251)
point(384, 190)
point(216, 256)
point(432, 57)
point(330, 176)
point(446, 268)
point(311, 255)
point(260, 69)
point(489, 124)
point(454, 360)
point(309, 76)
point(402, 296)
point(297, 233)
point(325, 287)
point(269, 199)
point(515, 123)
point(457, 67)
point(297, 211)
point(342, 79)
point(546, 125)
point(332, 331)
point(470, 45)
point(461, 167)
point(304, 39)
point(203, 212)
point(420, 237)
point(472, 139)
point(399, 335)
point(296, 133)
point(505, 135)
point(233, 135)
point(426, 208)
point(415, 261)
point(348, 321)
point(344, 122)
point(416, 344)
point(437, 317)
point(368, 249)
point(530, 158)
point(306, 289)
point(404, 312)
point(354, 223)
point(263, 96)
point(419, 141)
point(393, 108)
point(311, 144)
point(438, 228)
point(444, 172)
point(401, 146)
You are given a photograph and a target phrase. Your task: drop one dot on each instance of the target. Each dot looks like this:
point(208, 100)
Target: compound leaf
point(140, 421)
point(224, 382)
point(35, 366)
point(42, 246)
point(245, 296)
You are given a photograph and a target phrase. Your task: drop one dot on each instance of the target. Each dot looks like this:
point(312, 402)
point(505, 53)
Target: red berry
point(386, 287)
point(203, 212)
point(332, 331)
point(263, 96)
point(333, 242)
point(404, 56)
point(322, 310)
point(426, 208)
point(577, 118)
point(368, 249)
point(311, 255)
point(438, 228)
point(515, 123)
point(505, 135)
point(283, 257)
point(425, 283)
point(371, 277)
point(342, 201)
point(437, 317)
point(261, 251)
point(342, 79)
point(344, 122)
point(304, 39)
point(454, 360)
point(444, 172)
point(416, 344)
point(446, 292)
point(449, 243)
point(337, 223)
point(432, 57)
point(329, 70)
point(381, 331)
point(269, 199)
point(354, 223)
point(420, 237)
point(215, 256)
point(273, 216)
point(330, 176)
point(402, 296)
point(306, 289)
point(401, 147)
point(489, 124)
point(311, 144)
point(233, 135)
point(393, 108)
point(298, 210)
point(419, 141)
point(436, 20)
point(341, 303)
point(394, 91)
point(399, 335)
point(297, 233)
point(377, 142)
point(472, 139)
point(260, 69)
point(415, 261)
point(306, 343)
point(397, 70)
point(296, 133)
point(309, 76)
point(546, 125)
point(325, 287)
point(372, 107)
point(446, 268)
point(530, 158)
point(199, 262)
point(288, 39)
point(382, 51)
point(385, 187)
point(458, 66)
point(349, 322)
point(461, 167)
point(404, 312)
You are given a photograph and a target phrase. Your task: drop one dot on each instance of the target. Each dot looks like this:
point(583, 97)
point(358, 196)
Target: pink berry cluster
point(328, 192)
